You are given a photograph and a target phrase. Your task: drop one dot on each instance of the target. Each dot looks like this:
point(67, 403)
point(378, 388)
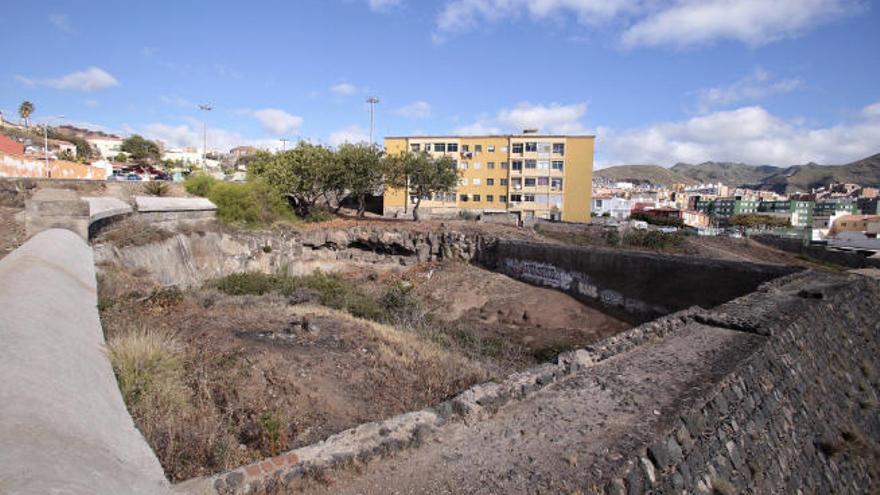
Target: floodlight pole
point(207, 108)
point(372, 101)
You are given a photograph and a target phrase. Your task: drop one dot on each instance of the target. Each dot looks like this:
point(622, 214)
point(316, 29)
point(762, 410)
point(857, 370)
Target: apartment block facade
point(531, 175)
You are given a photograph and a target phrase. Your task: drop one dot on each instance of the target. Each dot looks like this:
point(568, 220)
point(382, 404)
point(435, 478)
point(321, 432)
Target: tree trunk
point(361, 205)
point(416, 209)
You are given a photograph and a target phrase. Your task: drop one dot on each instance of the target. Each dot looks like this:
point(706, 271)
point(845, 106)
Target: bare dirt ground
point(543, 321)
point(11, 231)
point(544, 443)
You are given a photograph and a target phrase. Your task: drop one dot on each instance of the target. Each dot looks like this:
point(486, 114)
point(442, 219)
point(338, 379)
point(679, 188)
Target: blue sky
point(658, 81)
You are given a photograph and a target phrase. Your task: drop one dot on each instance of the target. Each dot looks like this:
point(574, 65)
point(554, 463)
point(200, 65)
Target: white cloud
point(350, 134)
point(381, 5)
point(61, 23)
point(458, 16)
point(278, 121)
point(190, 135)
point(754, 87)
point(343, 89)
point(91, 79)
point(655, 22)
point(415, 110)
point(552, 118)
point(754, 22)
point(748, 134)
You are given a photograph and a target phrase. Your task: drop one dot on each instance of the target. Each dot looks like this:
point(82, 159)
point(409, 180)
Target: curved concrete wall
point(63, 425)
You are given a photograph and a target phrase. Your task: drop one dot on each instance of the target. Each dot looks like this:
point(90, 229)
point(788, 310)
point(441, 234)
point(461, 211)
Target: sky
point(778, 82)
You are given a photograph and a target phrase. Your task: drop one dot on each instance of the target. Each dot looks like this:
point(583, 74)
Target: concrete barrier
point(63, 425)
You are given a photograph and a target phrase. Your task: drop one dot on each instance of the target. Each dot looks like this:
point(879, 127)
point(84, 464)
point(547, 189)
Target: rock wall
point(798, 416)
point(190, 259)
point(847, 259)
point(63, 425)
point(635, 285)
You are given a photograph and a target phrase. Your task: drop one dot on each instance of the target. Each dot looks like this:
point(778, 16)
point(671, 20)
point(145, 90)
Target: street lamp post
point(284, 141)
point(372, 101)
point(46, 140)
point(207, 108)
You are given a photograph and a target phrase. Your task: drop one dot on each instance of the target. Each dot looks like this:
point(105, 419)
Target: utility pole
point(46, 140)
point(372, 101)
point(284, 141)
point(207, 108)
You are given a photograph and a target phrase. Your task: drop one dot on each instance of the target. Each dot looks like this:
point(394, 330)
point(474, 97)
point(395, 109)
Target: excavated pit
point(266, 373)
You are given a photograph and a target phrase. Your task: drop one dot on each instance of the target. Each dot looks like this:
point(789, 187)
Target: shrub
point(132, 232)
point(652, 239)
point(199, 184)
point(156, 188)
point(253, 203)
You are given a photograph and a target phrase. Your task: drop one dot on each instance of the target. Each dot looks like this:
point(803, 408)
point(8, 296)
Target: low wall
point(637, 286)
point(64, 426)
point(19, 166)
point(850, 260)
point(798, 416)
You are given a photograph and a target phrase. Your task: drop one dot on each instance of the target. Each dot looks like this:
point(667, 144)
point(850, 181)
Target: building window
point(515, 198)
point(557, 165)
point(478, 148)
point(502, 199)
point(476, 181)
point(530, 182)
point(452, 147)
point(415, 147)
point(517, 183)
point(559, 148)
point(503, 182)
point(463, 165)
point(556, 184)
point(490, 165)
point(529, 198)
point(463, 197)
point(504, 149)
point(490, 182)
point(543, 147)
point(531, 146)
point(427, 146)
point(503, 165)
point(543, 164)
point(490, 148)
point(531, 163)
point(516, 165)
point(518, 148)
point(439, 147)
point(477, 165)
point(543, 181)
point(476, 197)
point(490, 198)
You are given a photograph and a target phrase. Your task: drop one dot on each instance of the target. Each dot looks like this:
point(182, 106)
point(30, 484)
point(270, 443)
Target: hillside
point(654, 174)
point(726, 172)
point(805, 177)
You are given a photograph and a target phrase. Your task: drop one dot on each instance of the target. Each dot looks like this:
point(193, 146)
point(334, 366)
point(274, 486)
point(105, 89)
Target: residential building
point(696, 219)
point(726, 207)
point(800, 212)
point(10, 146)
point(240, 151)
point(868, 205)
point(108, 146)
point(830, 206)
point(612, 206)
point(531, 175)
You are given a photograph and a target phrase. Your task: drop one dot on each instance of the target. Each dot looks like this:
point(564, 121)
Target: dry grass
point(132, 232)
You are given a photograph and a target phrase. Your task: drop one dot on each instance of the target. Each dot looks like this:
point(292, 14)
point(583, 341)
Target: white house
point(108, 147)
point(612, 206)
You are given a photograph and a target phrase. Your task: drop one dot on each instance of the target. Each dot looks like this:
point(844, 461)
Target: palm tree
point(25, 110)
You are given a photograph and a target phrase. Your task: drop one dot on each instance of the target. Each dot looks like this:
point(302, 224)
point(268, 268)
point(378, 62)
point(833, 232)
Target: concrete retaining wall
point(637, 286)
point(63, 425)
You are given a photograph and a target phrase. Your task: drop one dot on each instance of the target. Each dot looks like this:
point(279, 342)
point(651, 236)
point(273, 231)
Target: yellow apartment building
point(531, 175)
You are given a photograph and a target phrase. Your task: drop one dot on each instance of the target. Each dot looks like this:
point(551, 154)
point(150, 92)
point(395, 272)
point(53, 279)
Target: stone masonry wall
point(799, 416)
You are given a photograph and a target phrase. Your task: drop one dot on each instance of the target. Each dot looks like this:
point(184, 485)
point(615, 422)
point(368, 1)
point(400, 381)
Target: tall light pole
point(46, 140)
point(207, 108)
point(372, 101)
point(284, 141)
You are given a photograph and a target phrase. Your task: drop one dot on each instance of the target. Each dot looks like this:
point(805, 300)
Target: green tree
point(120, 157)
point(141, 150)
point(422, 175)
point(300, 174)
point(25, 110)
point(362, 169)
point(66, 155)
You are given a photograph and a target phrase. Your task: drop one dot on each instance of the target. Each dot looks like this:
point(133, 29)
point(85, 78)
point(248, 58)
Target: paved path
point(554, 441)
